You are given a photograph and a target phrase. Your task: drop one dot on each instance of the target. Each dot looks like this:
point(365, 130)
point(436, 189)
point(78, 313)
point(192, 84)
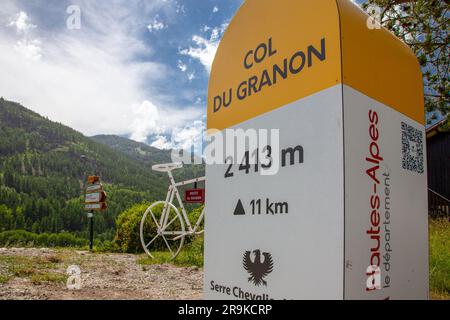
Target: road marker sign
point(350, 193)
point(194, 196)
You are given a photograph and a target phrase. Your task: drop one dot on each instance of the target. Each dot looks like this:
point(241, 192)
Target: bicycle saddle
point(166, 167)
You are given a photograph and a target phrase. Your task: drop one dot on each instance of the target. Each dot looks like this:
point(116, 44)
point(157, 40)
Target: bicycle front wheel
point(162, 229)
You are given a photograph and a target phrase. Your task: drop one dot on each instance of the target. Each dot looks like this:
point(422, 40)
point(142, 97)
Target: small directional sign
point(94, 188)
point(95, 206)
point(195, 196)
point(239, 210)
point(95, 197)
point(94, 179)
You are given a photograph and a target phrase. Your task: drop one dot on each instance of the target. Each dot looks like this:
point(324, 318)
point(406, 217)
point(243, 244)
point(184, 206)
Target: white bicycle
point(162, 226)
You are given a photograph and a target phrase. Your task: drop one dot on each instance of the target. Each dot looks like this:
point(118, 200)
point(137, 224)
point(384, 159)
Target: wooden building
point(438, 157)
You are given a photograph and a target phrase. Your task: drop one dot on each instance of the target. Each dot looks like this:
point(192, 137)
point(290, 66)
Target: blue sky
point(135, 68)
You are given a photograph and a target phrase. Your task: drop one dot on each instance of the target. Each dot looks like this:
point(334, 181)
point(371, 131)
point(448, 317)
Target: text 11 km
point(268, 207)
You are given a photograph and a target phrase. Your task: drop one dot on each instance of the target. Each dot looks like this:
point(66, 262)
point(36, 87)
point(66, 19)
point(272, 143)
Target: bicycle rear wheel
point(162, 229)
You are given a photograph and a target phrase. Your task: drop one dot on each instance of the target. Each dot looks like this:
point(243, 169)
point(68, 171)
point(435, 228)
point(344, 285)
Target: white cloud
point(180, 8)
point(146, 121)
point(182, 66)
point(182, 138)
point(149, 120)
point(161, 142)
point(21, 22)
point(26, 45)
point(188, 136)
point(156, 25)
point(191, 76)
point(204, 49)
point(215, 9)
point(30, 49)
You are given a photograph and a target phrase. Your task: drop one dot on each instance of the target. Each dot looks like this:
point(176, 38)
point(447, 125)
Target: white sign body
point(301, 210)
point(385, 216)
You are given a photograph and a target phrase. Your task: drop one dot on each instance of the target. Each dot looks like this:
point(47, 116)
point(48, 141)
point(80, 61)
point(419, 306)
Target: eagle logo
point(258, 270)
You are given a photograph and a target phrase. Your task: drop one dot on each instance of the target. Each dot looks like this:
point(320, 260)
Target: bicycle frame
point(171, 193)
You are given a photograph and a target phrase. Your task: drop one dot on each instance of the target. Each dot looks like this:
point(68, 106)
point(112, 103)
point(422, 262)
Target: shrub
point(195, 214)
point(106, 246)
point(24, 238)
point(127, 236)
point(127, 229)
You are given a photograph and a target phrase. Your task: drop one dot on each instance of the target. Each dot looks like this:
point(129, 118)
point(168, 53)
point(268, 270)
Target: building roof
point(436, 128)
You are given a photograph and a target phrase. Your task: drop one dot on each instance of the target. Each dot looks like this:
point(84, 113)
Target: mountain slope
point(149, 156)
point(43, 166)
point(136, 150)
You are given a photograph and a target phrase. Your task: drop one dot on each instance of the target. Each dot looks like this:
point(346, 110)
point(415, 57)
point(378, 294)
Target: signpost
point(343, 215)
point(94, 200)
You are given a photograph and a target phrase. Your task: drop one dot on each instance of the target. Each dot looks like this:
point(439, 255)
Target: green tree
point(6, 218)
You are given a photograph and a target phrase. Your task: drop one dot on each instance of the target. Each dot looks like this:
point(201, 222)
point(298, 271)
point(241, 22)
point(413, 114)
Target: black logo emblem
point(258, 270)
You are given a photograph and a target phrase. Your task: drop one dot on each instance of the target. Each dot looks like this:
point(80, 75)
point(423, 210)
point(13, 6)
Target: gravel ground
point(41, 274)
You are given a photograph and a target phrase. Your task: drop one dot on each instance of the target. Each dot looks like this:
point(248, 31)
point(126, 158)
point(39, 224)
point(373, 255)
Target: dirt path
point(31, 273)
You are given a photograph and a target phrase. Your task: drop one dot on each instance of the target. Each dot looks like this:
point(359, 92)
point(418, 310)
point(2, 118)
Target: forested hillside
point(43, 167)
point(136, 150)
point(148, 156)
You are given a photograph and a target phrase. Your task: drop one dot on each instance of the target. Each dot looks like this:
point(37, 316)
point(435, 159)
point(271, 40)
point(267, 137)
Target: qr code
point(412, 148)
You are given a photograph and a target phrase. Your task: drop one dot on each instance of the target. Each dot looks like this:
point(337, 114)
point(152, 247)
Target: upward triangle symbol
point(239, 210)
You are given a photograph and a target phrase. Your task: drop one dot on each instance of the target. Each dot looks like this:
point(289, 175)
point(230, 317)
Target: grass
point(190, 255)
point(36, 268)
point(42, 277)
point(4, 278)
point(440, 259)
point(22, 271)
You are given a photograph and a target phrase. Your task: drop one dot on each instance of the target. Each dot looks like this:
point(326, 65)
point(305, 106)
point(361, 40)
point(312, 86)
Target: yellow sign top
point(276, 52)
point(273, 53)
